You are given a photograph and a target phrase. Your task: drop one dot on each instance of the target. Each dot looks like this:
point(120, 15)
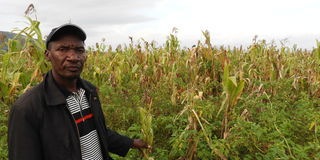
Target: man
point(61, 118)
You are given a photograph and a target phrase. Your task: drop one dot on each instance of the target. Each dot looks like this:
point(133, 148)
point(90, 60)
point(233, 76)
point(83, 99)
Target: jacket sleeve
point(23, 137)
point(117, 143)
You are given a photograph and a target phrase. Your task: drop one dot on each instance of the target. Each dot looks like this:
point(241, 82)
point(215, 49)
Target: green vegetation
point(260, 102)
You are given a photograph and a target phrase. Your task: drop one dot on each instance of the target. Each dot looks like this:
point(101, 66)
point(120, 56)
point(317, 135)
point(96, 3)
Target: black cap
point(66, 29)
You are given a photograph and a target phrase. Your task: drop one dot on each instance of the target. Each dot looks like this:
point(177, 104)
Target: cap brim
point(65, 30)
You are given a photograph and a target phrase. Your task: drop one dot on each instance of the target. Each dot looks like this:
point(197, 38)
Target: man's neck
point(69, 84)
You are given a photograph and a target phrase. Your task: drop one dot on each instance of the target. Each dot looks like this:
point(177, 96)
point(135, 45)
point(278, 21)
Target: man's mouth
point(73, 68)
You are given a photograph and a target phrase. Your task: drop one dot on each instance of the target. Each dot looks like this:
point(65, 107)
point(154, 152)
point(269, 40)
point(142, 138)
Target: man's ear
point(47, 52)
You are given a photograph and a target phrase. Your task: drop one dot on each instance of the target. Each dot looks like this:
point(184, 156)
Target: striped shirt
point(89, 141)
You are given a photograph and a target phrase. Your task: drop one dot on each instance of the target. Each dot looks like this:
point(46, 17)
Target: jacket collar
point(54, 96)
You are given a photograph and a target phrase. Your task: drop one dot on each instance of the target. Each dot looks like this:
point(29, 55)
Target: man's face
point(67, 56)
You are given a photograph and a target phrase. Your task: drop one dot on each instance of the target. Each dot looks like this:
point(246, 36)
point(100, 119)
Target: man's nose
point(73, 55)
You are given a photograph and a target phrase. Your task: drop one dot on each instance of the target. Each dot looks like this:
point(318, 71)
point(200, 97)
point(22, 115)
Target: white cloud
point(229, 21)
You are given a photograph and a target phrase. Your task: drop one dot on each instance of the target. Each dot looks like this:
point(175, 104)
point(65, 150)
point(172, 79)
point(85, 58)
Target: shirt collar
point(54, 93)
point(64, 91)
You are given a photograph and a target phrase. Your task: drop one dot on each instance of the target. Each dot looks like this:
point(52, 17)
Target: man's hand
point(140, 144)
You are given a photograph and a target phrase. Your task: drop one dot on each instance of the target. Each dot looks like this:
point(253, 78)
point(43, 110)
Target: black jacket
point(42, 128)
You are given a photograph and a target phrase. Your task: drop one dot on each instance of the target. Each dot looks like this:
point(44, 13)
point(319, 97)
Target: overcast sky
point(230, 22)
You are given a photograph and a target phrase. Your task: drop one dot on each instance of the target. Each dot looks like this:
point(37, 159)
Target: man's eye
point(62, 49)
point(81, 50)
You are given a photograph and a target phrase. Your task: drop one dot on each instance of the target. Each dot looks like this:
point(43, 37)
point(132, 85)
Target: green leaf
point(3, 89)
point(6, 59)
point(134, 69)
point(233, 80)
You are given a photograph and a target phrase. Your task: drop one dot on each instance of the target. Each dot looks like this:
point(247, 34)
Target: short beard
point(70, 77)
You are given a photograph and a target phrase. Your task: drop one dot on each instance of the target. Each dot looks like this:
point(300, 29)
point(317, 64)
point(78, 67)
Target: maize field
point(207, 102)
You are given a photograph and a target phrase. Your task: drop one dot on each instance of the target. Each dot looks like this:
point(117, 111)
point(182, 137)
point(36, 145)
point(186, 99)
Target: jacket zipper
point(78, 133)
